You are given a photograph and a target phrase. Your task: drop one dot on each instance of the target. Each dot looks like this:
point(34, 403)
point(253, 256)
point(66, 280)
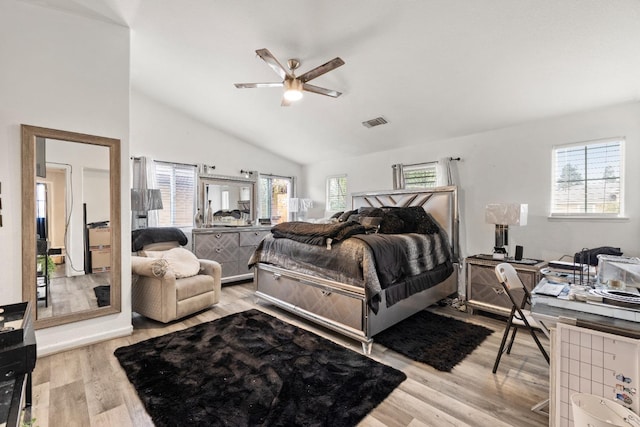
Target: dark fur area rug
point(439, 341)
point(103, 295)
point(251, 369)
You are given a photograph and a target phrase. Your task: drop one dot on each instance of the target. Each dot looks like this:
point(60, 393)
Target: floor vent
point(375, 122)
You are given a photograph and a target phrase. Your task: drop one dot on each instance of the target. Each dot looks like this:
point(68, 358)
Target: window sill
point(587, 218)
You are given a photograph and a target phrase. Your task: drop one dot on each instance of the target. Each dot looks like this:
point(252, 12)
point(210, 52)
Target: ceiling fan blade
point(254, 85)
point(322, 69)
point(272, 62)
point(322, 91)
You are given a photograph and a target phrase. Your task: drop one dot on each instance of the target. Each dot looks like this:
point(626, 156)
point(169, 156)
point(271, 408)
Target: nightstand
point(484, 292)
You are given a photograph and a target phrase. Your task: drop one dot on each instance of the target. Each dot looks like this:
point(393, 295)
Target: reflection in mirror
point(71, 224)
point(227, 201)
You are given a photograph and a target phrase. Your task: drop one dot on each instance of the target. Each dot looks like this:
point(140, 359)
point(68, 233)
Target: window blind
point(336, 193)
point(177, 183)
point(587, 179)
point(423, 175)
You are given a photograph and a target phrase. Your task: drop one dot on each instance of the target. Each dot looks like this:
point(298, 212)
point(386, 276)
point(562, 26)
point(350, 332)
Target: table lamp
point(503, 215)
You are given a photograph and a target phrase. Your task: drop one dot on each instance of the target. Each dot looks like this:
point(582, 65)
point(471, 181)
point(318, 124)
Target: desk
point(590, 353)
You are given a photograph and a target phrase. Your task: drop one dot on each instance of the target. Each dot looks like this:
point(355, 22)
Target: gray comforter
point(354, 262)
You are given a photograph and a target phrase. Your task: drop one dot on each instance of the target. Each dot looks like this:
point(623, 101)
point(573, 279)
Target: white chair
point(520, 316)
point(595, 411)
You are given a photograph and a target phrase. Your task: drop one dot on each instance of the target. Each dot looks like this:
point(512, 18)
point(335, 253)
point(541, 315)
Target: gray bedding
point(401, 264)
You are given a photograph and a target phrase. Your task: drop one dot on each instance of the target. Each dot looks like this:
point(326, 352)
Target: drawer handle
point(218, 235)
point(276, 276)
point(9, 374)
point(498, 291)
point(325, 293)
point(256, 233)
point(218, 250)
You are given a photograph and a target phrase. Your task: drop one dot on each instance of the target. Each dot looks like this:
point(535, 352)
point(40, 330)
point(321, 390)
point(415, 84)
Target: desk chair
point(520, 317)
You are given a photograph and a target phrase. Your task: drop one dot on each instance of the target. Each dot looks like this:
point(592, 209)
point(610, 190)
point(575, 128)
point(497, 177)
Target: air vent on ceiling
point(374, 122)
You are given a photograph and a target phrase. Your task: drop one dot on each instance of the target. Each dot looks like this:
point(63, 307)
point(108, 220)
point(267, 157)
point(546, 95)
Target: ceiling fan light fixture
point(292, 89)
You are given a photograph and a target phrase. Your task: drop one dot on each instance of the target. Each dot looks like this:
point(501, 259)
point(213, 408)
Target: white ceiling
point(434, 69)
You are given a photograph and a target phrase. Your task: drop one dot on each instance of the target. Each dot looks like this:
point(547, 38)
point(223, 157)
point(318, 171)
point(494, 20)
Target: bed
point(358, 303)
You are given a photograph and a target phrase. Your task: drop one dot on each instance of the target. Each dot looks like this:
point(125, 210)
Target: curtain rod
point(452, 159)
point(164, 161)
point(275, 176)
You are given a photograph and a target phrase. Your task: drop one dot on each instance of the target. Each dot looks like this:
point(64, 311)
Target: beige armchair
point(157, 293)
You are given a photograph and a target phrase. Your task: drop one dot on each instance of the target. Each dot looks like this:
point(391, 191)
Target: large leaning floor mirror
point(70, 225)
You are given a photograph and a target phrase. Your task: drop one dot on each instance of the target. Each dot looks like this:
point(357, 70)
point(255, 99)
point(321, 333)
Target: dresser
point(230, 246)
point(484, 292)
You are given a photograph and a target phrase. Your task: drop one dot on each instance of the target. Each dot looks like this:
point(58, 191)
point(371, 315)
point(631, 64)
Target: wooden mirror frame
point(29, 134)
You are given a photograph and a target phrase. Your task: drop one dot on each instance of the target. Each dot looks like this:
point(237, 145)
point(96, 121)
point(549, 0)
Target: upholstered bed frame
point(343, 307)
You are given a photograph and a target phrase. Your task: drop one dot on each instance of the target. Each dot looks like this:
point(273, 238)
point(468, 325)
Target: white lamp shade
point(506, 213)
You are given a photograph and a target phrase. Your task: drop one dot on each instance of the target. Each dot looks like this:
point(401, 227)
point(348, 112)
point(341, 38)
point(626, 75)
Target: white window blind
point(336, 193)
point(421, 175)
point(177, 183)
point(587, 179)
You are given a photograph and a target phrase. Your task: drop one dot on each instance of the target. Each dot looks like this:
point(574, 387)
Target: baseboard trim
point(82, 342)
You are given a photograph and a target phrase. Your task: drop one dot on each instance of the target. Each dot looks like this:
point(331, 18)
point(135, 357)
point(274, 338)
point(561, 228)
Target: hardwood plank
point(87, 386)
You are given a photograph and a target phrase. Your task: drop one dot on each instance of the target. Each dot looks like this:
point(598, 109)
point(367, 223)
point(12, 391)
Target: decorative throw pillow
point(411, 219)
point(181, 261)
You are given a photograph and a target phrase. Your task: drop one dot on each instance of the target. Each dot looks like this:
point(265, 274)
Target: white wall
point(63, 72)
point(511, 165)
point(164, 133)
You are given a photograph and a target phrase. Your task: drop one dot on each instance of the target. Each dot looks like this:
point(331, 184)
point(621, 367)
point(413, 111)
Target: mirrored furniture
point(227, 234)
point(70, 183)
point(231, 247)
point(226, 201)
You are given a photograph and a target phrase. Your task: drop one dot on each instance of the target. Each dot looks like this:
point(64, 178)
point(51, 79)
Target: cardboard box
point(99, 237)
point(101, 259)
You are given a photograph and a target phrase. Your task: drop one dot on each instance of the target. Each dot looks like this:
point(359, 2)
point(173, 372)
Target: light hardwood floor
point(87, 387)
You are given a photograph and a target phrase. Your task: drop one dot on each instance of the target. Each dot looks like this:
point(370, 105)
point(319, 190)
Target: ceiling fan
point(293, 86)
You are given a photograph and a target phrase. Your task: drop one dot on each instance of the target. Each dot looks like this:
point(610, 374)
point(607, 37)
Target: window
point(336, 193)
point(274, 194)
point(177, 183)
point(587, 179)
point(418, 175)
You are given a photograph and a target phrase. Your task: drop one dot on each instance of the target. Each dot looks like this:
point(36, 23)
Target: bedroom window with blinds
point(177, 183)
point(417, 175)
point(588, 179)
point(336, 193)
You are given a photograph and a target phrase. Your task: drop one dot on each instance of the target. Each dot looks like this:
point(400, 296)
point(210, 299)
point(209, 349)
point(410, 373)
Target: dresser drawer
point(230, 268)
point(217, 246)
point(252, 238)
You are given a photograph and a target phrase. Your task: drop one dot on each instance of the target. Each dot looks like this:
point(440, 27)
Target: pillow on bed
point(412, 219)
point(181, 261)
point(371, 222)
point(346, 214)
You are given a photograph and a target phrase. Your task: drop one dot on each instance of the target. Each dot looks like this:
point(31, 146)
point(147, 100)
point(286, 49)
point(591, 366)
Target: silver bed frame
point(342, 307)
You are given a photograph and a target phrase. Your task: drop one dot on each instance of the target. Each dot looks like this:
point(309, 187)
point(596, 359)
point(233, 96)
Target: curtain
point(398, 176)
point(144, 178)
point(444, 174)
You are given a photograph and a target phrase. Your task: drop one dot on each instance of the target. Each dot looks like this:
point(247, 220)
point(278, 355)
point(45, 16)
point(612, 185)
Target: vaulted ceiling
point(434, 69)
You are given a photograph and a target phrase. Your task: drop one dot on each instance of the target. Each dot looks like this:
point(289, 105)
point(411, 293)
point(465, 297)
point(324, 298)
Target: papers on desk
point(549, 288)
